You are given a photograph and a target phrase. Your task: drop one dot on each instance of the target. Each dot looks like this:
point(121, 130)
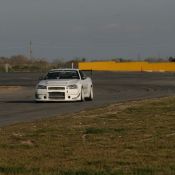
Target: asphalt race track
point(109, 87)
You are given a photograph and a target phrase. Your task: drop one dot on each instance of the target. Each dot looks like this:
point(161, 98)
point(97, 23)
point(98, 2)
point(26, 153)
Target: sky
point(95, 29)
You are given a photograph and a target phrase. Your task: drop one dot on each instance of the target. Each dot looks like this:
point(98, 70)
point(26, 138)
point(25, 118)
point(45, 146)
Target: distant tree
point(80, 59)
point(171, 59)
point(150, 59)
point(18, 59)
point(4, 60)
point(58, 62)
point(83, 59)
point(117, 59)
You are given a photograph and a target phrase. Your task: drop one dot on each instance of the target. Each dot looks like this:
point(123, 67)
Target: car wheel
point(82, 95)
point(91, 95)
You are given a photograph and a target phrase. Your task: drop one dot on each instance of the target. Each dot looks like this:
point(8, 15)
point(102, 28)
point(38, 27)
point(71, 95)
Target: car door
point(85, 83)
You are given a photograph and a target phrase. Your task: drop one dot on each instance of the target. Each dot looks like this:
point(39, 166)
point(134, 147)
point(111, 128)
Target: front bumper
point(55, 93)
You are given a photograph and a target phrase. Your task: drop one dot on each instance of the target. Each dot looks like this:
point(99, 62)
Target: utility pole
point(30, 50)
point(6, 68)
point(72, 65)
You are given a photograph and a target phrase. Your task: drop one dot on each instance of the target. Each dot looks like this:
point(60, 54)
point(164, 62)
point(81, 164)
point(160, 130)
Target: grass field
point(136, 138)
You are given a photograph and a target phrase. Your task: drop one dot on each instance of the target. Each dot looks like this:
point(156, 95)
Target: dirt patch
point(9, 89)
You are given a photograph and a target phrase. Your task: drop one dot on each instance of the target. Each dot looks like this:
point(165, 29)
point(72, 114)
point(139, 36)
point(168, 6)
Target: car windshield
point(63, 74)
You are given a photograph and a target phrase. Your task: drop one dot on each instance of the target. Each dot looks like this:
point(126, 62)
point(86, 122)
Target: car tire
point(91, 95)
point(82, 95)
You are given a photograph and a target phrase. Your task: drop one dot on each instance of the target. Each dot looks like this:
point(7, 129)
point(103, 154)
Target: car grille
point(56, 95)
point(56, 88)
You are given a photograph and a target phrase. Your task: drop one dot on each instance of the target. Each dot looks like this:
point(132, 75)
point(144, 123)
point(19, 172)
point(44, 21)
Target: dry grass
point(135, 138)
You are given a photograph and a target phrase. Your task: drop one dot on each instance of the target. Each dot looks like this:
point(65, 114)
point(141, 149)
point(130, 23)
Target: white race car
point(64, 85)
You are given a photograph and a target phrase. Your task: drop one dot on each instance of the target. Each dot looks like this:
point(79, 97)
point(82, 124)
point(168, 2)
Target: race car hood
point(57, 82)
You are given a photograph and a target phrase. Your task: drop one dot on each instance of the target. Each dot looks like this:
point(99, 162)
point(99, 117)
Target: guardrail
point(128, 66)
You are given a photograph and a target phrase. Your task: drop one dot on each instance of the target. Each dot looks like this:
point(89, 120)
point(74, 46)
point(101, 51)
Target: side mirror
point(41, 78)
point(83, 78)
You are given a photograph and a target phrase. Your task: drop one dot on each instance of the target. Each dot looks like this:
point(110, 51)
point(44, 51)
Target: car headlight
point(74, 86)
point(41, 87)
